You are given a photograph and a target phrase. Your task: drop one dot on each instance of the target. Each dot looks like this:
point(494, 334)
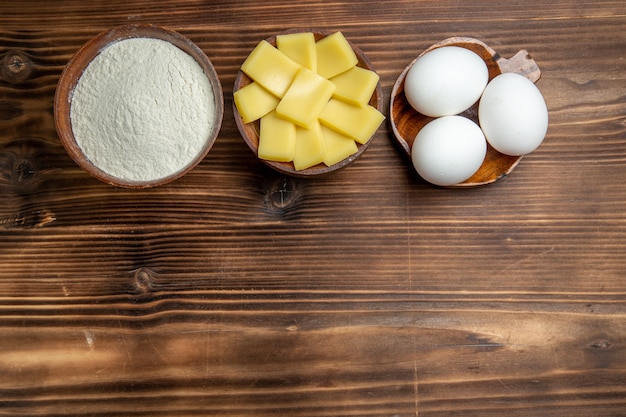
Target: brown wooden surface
point(237, 291)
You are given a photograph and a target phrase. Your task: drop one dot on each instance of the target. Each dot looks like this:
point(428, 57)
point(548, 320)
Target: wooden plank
point(238, 291)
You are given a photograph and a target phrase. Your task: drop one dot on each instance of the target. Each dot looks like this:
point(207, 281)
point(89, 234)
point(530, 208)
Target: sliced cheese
point(270, 68)
point(300, 47)
point(254, 102)
point(310, 149)
point(337, 146)
point(357, 122)
point(277, 138)
point(311, 99)
point(355, 86)
point(334, 55)
point(306, 98)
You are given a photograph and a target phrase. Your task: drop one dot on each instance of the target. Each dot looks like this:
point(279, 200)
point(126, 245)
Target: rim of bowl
point(250, 131)
point(82, 58)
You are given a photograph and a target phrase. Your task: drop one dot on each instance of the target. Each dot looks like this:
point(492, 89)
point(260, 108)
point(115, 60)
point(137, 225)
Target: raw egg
point(513, 114)
point(448, 150)
point(446, 81)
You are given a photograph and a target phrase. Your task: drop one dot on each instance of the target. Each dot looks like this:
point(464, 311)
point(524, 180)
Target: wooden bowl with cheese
point(298, 97)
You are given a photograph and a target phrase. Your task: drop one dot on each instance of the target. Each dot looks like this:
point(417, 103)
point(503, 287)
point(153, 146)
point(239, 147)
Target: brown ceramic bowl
point(250, 131)
point(74, 69)
point(406, 122)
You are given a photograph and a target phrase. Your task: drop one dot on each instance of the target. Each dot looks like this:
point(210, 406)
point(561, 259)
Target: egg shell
point(448, 150)
point(513, 114)
point(446, 81)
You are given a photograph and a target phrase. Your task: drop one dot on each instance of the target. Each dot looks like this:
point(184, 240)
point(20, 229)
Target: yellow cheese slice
point(357, 122)
point(254, 102)
point(309, 147)
point(270, 68)
point(277, 138)
point(334, 55)
point(300, 47)
point(306, 98)
point(355, 86)
point(337, 146)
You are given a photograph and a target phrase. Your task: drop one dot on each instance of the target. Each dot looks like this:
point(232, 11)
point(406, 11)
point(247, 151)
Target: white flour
point(142, 110)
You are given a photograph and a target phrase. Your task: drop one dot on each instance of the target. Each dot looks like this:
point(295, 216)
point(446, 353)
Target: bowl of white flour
point(138, 106)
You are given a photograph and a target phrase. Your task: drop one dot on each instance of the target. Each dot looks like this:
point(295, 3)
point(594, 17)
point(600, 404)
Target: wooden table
point(237, 291)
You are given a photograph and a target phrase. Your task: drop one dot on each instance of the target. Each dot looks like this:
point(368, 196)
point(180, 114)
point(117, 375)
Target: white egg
point(445, 81)
point(513, 114)
point(448, 150)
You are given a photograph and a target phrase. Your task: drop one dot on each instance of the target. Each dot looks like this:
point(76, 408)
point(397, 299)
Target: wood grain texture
point(237, 291)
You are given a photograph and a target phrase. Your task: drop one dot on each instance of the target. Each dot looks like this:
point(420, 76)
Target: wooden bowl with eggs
point(250, 131)
point(406, 122)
